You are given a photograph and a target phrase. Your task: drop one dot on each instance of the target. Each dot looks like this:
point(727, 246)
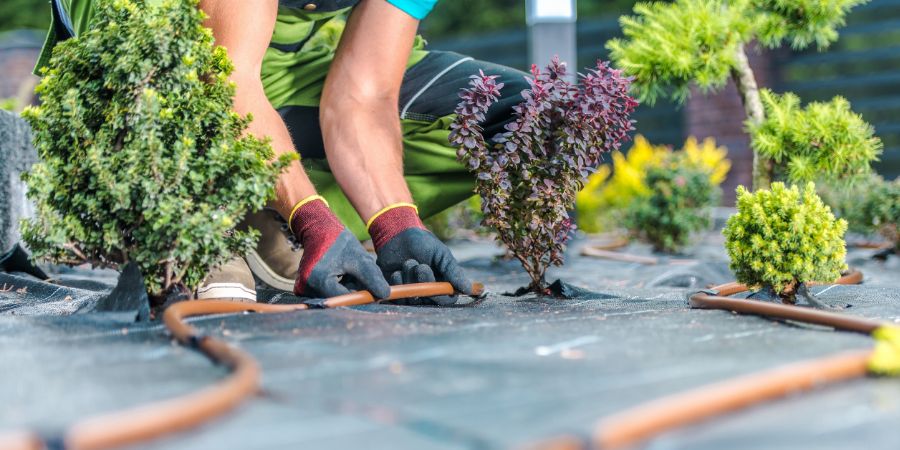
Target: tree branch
point(744, 80)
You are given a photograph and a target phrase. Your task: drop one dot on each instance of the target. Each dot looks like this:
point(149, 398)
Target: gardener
point(370, 118)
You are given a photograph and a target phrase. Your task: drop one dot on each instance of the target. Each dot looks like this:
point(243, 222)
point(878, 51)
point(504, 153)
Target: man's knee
point(431, 88)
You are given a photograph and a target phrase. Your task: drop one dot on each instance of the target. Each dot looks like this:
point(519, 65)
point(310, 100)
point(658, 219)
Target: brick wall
point(18, 53)
point(721, 116)
point(15, 71)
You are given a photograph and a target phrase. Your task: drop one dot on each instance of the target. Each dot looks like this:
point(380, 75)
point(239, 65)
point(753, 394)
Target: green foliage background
point(784, 236)
point(679, 204)
point(16, 14)
point(870, 206)
point(142, 158)
point(462, 17)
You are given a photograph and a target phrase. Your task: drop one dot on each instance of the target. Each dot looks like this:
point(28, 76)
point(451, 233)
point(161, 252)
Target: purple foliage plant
point(528, 176)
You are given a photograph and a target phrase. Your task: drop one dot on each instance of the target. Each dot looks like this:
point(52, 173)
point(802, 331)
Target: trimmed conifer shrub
point(784, 237)
point(669, 46)
point(142, 156)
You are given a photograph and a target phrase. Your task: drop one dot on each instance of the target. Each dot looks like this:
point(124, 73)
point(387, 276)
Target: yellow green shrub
point(782, 236)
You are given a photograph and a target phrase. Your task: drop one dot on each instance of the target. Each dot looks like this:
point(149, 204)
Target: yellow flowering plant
point(611, 190)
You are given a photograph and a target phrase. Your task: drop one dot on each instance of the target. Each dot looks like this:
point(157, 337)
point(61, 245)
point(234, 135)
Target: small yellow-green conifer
point(781, 237)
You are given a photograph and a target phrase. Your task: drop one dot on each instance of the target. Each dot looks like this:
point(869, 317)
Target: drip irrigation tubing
point(620, 430)
point(642, 422)
point(608, 250)
point(146, 422)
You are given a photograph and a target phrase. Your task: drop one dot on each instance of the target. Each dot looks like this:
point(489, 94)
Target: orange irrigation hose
point(655, 417)
point(637, 424)
point(170, 416)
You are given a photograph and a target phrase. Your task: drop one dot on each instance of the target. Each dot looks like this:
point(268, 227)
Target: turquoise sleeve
point(416, 8)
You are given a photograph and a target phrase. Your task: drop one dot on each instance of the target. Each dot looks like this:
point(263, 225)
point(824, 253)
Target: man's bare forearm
point(244, 29)
point(359, 108)
point(293, 185)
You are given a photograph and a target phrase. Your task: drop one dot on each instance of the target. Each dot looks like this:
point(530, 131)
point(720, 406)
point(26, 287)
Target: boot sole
point(226, 291)
point(268, 276)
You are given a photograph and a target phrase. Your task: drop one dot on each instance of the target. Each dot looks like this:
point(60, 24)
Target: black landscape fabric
point(489, 374)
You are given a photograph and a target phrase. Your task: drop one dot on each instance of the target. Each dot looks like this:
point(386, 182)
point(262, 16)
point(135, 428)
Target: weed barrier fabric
point(489, 374)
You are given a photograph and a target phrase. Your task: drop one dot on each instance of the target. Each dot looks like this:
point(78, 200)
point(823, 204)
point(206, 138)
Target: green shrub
point(782, 237)
point(882, 210)
point(669, 46)
point(824, 141)
point(142, 158)
point(869, 207)
point(679, 204)
point(801, 22)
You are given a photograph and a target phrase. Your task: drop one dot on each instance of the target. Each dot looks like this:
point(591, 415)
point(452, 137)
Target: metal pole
point(551, 32)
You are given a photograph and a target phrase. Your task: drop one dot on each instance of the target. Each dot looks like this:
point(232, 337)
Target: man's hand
point(331, 254)
point(408, 253)
point(360, 119)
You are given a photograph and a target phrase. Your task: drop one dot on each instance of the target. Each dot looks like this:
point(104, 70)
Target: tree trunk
point(745, 82)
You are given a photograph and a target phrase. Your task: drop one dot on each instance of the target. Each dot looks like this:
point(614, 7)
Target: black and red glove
point(409, 253)
point(331, 255)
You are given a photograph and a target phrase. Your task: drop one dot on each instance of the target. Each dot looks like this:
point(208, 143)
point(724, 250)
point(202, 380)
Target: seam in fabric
point(430, 83)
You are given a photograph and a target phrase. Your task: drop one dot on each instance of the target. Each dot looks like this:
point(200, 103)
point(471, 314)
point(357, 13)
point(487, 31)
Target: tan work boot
point(231, 281)
point(277, 256)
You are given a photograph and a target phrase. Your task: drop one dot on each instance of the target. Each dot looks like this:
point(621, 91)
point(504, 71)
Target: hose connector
point(885, 359)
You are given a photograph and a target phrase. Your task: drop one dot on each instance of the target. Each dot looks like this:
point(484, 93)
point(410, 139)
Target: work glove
point(409, 253)
point(332, 256)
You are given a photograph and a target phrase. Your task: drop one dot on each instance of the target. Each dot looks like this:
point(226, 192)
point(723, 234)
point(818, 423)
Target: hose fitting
point(885, 359)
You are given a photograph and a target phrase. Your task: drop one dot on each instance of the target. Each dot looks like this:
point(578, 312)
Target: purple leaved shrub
point(528, 176)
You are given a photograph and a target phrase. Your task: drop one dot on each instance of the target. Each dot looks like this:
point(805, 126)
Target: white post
point(551, 32)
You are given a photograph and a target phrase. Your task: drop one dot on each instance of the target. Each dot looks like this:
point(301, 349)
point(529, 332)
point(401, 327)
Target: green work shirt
point(297, 19)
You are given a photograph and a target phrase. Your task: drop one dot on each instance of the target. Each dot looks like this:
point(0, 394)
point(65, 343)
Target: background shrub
point(613, 187)
point(682, 195)
point(869, 206)
point(142, 158)
point(462, 220)
point(605, 199)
